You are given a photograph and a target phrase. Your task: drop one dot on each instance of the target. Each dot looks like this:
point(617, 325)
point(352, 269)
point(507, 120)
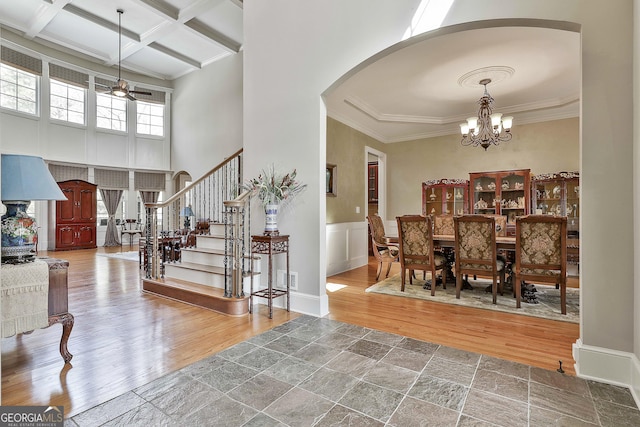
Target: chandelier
point(488, 128)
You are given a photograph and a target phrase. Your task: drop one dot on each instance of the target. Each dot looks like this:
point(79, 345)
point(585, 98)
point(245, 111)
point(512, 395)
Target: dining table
point(447, 241)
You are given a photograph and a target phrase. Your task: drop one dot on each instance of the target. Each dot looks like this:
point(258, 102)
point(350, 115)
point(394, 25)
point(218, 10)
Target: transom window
point(111, 112)
point(67, 102)
point(18, 89)
point(150, 118)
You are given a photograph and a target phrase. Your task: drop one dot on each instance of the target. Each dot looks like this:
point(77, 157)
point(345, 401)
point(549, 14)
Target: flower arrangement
point(274, 188)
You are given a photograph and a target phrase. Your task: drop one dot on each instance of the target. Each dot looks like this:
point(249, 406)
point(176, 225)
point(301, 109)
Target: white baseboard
point(312, 305)
point(608, 366)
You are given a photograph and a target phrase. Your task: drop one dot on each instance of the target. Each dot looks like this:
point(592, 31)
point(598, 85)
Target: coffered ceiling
point(165, 39)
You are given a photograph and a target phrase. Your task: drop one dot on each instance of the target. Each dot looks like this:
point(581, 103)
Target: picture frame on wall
point(331, 183)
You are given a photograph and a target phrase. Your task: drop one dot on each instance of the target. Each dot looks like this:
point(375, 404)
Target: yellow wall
point(542, 147)
point(345, 148)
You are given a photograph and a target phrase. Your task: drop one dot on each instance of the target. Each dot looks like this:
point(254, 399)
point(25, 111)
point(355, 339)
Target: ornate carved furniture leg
point(67, 324)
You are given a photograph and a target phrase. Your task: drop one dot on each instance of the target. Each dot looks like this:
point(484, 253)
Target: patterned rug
point(127, 256)
point(548, 297)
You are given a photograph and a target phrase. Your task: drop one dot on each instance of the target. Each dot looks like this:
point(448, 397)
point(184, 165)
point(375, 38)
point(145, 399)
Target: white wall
point(295, 50)
point(207, 116)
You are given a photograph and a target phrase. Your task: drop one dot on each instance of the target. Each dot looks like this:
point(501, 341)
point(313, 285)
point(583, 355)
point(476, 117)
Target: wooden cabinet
point(501, 193)
point(76, 216)
point(372, 182)
point(559, 194)
point(445, 196)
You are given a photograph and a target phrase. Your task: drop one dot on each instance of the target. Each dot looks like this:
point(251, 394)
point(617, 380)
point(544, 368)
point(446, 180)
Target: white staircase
point(199, 277)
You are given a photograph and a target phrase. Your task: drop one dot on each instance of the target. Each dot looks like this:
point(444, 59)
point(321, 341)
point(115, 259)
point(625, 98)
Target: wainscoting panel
point(346, 246)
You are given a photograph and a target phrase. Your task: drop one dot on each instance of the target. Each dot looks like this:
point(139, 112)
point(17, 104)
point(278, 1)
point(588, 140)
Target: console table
point(35, 296)
point(270, 245)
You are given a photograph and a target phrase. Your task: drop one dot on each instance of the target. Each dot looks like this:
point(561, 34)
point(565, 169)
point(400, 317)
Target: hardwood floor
point(533, 341)
point(124, 338)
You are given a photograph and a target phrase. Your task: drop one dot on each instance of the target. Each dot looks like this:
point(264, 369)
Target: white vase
point(271, 220)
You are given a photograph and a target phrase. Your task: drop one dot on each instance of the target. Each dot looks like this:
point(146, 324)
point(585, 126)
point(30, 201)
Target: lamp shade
point(26, 178)
point(186, 211)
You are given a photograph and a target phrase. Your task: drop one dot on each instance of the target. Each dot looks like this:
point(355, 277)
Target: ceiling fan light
point(119, 92)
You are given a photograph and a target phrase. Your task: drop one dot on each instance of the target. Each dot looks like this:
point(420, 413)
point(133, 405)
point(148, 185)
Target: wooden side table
point(270, 245)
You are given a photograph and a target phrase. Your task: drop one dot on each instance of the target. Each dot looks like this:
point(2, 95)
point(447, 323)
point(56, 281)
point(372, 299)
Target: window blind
point(21, 61)
point(149, 181)
point(66, 75)
point(65, 173)
point(112, 179)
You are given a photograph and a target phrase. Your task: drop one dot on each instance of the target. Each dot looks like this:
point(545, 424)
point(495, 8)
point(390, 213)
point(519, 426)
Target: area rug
point(548, 306)
point(127, 256)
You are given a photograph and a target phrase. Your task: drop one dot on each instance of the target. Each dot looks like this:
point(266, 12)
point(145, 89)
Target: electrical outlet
point(281, 280)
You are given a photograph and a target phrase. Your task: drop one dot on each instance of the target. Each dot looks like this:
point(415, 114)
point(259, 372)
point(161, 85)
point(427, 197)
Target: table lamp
point(24, 178)
point(186, 212)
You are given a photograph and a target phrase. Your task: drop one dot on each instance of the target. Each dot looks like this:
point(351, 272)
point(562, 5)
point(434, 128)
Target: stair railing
point(237, 235)
point(168, 225)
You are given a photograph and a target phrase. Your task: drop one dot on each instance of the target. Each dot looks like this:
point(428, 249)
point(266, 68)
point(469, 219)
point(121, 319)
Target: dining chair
point(476, 252)
point(443, 225)
point(382, 251)
point(415, 235)
point(501, 225)
point(541, 253)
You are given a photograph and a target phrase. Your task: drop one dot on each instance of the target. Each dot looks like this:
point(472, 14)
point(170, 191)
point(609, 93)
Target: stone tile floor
point(319, 372)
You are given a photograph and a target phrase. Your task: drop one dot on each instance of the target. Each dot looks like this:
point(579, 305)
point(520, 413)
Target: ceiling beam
point(176, 55)
point(213, 35)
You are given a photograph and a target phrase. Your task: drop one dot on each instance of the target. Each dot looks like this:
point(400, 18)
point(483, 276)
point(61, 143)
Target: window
point(67, 102)
point(150, 120)
point(111, 112)
point(18, 89)
point(102, 214)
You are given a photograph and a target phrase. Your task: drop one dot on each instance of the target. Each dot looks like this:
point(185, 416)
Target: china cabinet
point(372, 187)
point(76, 216)
point(559, 194)
point(445, 196)
point(501, 193)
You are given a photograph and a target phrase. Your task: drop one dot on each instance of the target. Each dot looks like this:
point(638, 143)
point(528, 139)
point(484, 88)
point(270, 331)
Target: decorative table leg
point(67, 324)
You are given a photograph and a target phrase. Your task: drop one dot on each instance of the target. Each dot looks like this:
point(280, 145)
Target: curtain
point(149, 196)
point(111, 199)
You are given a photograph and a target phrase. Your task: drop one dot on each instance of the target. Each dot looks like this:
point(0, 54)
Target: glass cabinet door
point(513, 197)
point(455, 200)
point(445, 197)
point(484, 198)
point(434, 201)
point(573, 207)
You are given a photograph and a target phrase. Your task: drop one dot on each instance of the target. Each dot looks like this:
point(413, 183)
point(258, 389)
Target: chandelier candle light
point(488, 128)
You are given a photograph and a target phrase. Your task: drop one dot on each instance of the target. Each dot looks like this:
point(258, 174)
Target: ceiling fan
point(121, 88)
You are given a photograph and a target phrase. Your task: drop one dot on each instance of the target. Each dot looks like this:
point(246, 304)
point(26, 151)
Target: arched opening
point(405, 103)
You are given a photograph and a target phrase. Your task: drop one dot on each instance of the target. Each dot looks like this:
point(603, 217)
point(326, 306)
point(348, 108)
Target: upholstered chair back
point(475, 242)
point(416, 249)
point(541, 253)
point(443, 225)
